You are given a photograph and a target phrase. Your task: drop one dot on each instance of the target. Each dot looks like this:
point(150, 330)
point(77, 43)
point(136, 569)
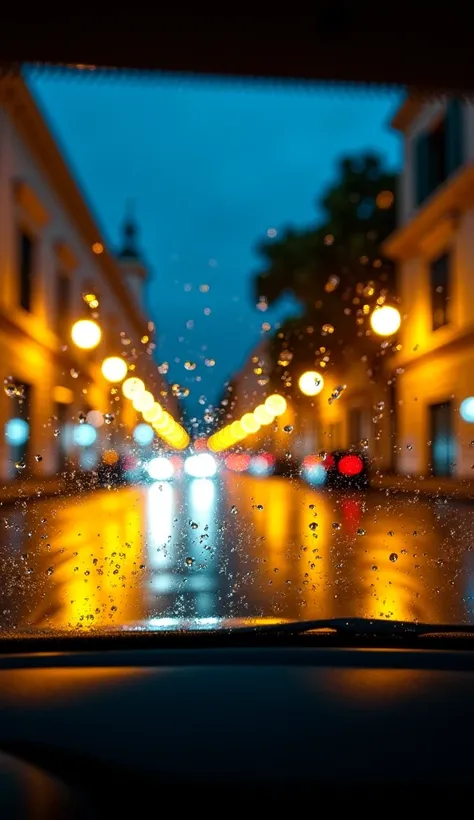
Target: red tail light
point(350, 465)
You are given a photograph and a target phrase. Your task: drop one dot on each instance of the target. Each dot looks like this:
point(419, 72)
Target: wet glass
point(236, 353)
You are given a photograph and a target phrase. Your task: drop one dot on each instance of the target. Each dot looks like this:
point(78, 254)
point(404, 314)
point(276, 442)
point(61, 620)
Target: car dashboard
point(88, 733)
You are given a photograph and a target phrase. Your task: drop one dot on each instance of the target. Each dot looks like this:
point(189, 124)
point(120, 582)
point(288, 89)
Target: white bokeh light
point(201, 466)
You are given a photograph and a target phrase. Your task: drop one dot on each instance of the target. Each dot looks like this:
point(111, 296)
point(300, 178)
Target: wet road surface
point(203, 550)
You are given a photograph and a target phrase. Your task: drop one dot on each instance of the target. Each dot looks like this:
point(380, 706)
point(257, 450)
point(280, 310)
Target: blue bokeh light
point(467, 409)
point(143, 434)
point(17, 432)
point(84, 435)
point(315, 475)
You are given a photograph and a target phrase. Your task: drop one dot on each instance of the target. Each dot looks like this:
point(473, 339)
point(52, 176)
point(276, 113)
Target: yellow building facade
point(52, 255)
point(434, 250)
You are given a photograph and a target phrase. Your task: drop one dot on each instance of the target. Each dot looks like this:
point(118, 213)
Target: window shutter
point(454, 136)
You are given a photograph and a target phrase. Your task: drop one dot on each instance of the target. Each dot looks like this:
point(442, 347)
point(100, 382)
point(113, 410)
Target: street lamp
point(86, 334)
point(263, 414)
point(276, 404)
point(114, 369)
point(132, 387)
point(385, 320)
point(143, 401)
point(311, 383)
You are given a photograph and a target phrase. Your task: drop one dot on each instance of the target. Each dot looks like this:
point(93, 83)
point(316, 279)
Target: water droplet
point(364, 443)
point(189, 561)
point(20, 465)
point(179, 391)
point(391, 533)
point(50, 570)
point(190, 365)
point(259, 506)
point(13, 390)
point(163, 368)
point(380, 406)
point(409, 446)
point(336, 525)
point(375, 567)
point(404, 552)
point(361, 531)
point(193, 525)
point(38, 458)
point(313, 526)
point(74, 373)
point(209, 362)
point(234, 510)
point(327, 328)
point(81, 417)
point(336, 393)
point(393, 557)
point(109, 418)
point(288, 428)
point(56, 433)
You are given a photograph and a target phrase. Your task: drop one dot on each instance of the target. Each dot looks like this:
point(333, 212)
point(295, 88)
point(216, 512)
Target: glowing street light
point(276, 404)
point(385, 320)
point(263, 414)
point(86, 334)
point(311, 383)
point(143, 401)
point(132, 387)
point(114, 369)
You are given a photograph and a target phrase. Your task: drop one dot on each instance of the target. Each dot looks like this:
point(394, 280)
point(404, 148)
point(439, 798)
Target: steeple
point(129, 234)
point(129, 257)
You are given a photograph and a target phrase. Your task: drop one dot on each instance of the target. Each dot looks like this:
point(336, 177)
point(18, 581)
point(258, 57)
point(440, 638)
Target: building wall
point(429, 113)
point(435, 366)
point(31, 351)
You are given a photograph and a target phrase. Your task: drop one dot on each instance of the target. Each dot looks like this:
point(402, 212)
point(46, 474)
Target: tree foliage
point(336, 269)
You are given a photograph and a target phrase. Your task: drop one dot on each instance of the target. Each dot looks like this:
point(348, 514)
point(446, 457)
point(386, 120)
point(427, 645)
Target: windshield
point(236, 352)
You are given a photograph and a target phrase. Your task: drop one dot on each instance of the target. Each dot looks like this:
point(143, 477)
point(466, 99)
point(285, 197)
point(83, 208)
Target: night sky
point(210, 166)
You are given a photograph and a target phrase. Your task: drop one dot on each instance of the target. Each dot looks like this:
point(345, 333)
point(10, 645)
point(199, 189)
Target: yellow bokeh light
point(276, 404)
point(114, 369)
point(385, 320)
point(237, 431)
point(86, 334)
point(263, 414)
point(154, 413)
point(143, 401)
point(311, 383)
point(132, 387)
point(249, 423)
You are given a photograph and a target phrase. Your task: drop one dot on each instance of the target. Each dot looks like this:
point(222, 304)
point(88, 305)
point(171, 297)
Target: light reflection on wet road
point(240, 547)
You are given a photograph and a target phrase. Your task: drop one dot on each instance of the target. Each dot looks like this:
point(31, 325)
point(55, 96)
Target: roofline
point(404, 116)
point(24, 112)
point(454, 197)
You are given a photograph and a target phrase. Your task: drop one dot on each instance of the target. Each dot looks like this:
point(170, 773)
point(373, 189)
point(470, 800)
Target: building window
point(26, 260)
point(439, 152)
point(63, 303)
point(439, 282)
point(442, 445)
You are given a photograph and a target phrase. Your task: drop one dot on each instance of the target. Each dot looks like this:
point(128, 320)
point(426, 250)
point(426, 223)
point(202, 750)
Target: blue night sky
point(210, 166)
